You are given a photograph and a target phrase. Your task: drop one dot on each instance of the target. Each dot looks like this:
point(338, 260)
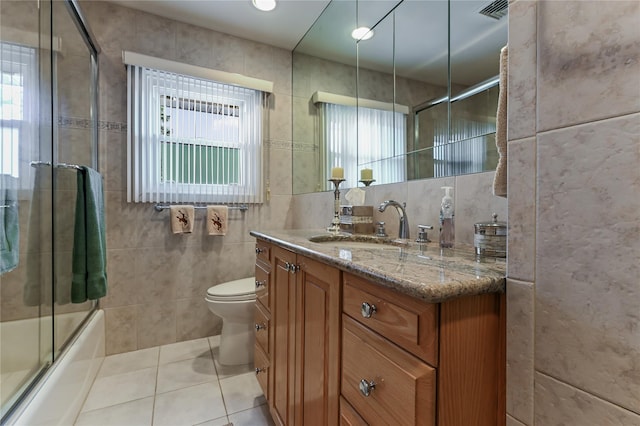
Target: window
point(380, 136)
point(18, 103)
point(192, 139)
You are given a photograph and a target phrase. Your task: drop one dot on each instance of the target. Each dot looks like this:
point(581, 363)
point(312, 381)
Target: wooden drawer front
point(349, 416)
point(408, 322)
point(404, 392)
point(261, 364)
point(263, 251)
point(262, 327)
point(263, 293)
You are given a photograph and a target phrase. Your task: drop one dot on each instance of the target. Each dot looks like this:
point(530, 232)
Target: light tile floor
point(174, 385)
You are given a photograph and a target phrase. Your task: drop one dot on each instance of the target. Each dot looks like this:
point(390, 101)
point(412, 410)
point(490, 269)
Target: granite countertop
point(423, 271)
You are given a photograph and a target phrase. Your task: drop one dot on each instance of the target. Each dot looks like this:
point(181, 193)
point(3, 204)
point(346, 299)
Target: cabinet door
point(317, 344)
point(283, 322)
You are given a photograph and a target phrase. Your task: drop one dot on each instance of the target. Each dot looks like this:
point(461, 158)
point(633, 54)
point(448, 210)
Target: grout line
point(155, 389)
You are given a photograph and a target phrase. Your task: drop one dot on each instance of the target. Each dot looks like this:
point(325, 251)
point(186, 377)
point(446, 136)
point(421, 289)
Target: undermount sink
point(358, 241)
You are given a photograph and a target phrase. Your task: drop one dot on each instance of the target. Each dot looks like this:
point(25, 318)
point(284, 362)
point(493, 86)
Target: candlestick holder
point(367, 182)
point(335, 223)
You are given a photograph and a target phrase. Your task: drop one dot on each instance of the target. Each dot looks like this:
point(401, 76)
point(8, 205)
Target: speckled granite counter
point(419, 270)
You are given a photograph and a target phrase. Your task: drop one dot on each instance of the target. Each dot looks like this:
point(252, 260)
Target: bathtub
point(58, 396)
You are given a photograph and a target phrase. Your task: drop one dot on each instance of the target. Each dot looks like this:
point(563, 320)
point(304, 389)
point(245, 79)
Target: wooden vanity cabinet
point(262, 317)
point(430, 363)
point(305, 348)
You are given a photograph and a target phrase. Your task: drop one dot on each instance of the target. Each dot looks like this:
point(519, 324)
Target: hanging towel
point(500, 178)
point(37, 290)
point(182, 219)
point(89, 242)
point(9, 224)
point(217, 220)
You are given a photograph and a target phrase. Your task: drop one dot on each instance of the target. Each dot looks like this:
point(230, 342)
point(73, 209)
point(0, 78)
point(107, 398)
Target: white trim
point(132, 58)
point(331, 98)
point(27, 38)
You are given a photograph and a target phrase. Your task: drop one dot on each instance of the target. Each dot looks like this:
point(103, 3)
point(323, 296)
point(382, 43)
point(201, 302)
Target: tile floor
point(174, 385)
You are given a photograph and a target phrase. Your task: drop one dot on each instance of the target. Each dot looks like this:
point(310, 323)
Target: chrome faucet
point(403, 229)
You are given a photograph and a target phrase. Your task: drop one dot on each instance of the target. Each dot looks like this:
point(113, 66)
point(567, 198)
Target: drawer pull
point(259, 250)
point(367, 309)
point(261, 370)
point(260, 283)
point(260, 327)
point(367, 387)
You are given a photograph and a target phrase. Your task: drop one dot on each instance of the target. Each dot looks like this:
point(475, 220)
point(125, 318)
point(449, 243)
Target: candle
point(366, 174)
point(337, 173)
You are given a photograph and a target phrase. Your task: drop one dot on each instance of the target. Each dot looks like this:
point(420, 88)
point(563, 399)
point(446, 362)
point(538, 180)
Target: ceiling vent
point(496, 9)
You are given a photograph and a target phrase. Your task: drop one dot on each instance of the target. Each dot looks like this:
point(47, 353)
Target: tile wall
point(157, 280)
point(574, 213)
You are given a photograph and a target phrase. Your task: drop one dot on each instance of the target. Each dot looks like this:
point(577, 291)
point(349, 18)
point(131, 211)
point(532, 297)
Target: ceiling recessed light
point(362, 33)
point(264, 5)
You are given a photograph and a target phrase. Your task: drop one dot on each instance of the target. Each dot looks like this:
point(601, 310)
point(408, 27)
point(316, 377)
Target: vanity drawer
point(261, 364)
point(263, 251)
point(410, 323)
point(263, 293)
point(349, 416)
point(405, 387)
point(261, 322)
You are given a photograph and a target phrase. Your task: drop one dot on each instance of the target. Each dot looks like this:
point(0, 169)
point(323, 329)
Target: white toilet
point(234, 302)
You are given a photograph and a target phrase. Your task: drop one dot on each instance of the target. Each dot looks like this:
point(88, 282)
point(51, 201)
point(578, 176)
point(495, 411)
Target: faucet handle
point(380, 232)
point(422, 234)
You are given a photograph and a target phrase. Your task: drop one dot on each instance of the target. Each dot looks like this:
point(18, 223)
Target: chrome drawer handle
point(260, 283)
point(259, 250)
point(261, 370)
point(367, 309)
point(367, 387)
point(260, 327)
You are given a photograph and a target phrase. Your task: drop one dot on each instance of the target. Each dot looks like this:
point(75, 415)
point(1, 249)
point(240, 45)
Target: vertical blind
point(192, 140)
point(367, 137)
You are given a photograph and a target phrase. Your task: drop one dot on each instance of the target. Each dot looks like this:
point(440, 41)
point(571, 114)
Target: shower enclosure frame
point(48, 97)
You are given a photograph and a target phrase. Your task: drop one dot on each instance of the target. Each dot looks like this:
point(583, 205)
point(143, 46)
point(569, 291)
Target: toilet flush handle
point(260, 283)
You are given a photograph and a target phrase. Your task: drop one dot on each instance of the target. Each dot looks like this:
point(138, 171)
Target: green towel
point(89, 242)
point(9, 224)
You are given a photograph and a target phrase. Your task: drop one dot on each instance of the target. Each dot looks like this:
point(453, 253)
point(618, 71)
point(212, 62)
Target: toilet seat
point(233, 291)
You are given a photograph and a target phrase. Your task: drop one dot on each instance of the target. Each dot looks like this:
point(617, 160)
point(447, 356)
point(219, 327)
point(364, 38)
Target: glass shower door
point(26, 250)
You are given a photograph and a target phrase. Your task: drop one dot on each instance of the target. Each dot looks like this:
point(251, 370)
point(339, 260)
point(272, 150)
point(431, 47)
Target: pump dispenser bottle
point(447, 231)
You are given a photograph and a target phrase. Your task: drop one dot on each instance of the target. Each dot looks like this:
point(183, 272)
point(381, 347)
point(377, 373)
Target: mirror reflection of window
point(352, 135)
point(18, 103)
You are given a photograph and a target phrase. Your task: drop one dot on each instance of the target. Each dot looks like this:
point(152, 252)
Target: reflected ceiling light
point(264, 5)
point(362, 33)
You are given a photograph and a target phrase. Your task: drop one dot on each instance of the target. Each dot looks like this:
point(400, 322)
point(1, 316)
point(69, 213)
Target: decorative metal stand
point(367, 182)
point(335, 223)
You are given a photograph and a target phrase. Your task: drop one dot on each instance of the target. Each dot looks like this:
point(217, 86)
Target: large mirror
point(382, 104)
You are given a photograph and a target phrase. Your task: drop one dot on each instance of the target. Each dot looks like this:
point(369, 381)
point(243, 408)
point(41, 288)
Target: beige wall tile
point(521, 105)
point(121, 329)
point(122, 281)
point(313, 210)
point(193, 45)
point(513, 422)
point(280, 177)
point(587, 258)
point(475, 202)
point(155, 36)
point(520, 331)
point(521, 222)
point(156, 323)
point(560, 404)
point(585, 75)
point(195, 320)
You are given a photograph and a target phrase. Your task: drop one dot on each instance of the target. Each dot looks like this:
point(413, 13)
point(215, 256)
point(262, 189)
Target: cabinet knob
point(367, 309)
point(260, 370)
point(260, 327)
point(367, 387)
point(259, 250)
point(260, 283)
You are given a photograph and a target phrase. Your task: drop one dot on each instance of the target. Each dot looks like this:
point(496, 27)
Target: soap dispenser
point(447, 231)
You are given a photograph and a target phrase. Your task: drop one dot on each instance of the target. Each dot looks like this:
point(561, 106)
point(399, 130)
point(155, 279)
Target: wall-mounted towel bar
point(242, 207)
point(59, 165)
